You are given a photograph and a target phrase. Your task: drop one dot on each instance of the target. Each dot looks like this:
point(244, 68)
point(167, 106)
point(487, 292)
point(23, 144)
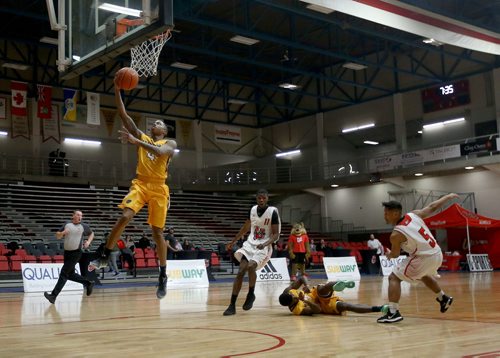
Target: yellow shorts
point(328, 304)
point(157, 197)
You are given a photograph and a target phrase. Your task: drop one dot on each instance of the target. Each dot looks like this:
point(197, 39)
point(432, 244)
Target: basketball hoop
point(145, 55)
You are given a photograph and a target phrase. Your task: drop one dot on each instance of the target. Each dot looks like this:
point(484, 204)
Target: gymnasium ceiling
point(296, 45)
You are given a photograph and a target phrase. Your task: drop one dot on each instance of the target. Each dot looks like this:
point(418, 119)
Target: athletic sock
point(440, 295)
point(233, 299)
point(163, 271)
point(393, 307)
point(376, 308)
point(250, 290)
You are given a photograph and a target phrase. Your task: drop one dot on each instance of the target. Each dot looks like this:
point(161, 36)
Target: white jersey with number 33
point(419, 238)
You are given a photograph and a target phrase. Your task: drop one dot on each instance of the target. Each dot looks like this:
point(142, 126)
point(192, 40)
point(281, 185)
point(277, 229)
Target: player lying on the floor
point(322, 299)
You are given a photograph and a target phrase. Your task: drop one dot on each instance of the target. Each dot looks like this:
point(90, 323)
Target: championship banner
point(227, 134)
point(93, 109)
point(43, 277)
point(187, 273)
point(70, 102)
point(19, 98)
point(44, 104)
point(50, 126)
point(20, 127)
point(341, 268)
point(275, 270)
point(388, 264)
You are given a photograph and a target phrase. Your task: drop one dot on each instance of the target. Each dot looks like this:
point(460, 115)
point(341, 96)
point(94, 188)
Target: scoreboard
point(446, 95)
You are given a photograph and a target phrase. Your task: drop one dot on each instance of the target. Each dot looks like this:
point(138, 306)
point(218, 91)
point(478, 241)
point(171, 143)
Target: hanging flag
point(93, 109)
point(44, 101)
point(50, 126)
point(19, 94)
point(70, 101)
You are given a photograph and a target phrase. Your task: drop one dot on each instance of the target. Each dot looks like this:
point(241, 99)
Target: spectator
point(322, 246)
point(312, 245)
point(128, 253)
point(143, 242)
point(187, 246)
point(171, 243)
point(374, 244)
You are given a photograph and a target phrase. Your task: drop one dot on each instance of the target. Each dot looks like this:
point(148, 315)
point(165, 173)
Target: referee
point(73, 233)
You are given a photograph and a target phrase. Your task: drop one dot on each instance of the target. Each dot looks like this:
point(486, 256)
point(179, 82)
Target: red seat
point(15, 262)
point(214, 260)
point(21, 252)
point(140, 263)
point(58, 258)
point(4, 264)
point(44, 259)
point(151, 262)
point(138, 253)
point(30, 258)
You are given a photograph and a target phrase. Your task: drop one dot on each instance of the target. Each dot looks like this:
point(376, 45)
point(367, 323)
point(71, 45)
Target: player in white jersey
point(425, 257)
point(265, 226)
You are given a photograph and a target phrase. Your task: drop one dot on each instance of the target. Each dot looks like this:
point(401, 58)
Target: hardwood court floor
point(131, 322)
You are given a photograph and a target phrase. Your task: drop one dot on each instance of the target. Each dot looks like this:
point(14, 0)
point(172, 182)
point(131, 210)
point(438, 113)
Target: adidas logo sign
point(269, 272)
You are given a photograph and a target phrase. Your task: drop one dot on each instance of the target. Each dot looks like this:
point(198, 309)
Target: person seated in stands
point(321, 246)
point(375, 244)
point(312, 245)
point(128, 253)
point(187, 246)
point(171, 241)
point(113, 257)
point(143, 242)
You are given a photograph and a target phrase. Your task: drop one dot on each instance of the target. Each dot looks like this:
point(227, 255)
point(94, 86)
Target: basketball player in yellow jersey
point(153, 156)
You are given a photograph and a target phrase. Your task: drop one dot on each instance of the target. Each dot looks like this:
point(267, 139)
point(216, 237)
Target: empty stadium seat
point(4, 264)
point(15, 262)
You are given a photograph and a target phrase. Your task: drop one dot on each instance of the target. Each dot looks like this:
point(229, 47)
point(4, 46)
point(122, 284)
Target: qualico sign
point(274, 270)
point(43, 277)
point(341, 268)
point(187, 273)
point(388, 264)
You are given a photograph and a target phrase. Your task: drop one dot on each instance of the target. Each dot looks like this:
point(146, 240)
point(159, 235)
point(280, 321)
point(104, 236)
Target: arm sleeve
point(86, 229)
point(275, 220)
point(63, 226)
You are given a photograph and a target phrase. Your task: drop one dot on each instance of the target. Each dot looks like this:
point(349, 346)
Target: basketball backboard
point(100, 30)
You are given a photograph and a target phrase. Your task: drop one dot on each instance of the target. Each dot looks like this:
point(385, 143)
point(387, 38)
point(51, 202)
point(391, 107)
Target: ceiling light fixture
point(318, 8)
point(469, 168)
point(352, 129)
point(50, 40)
point(432, 42)
point(236, 101)
point(354, 66)
point(120, 9)
point(334, 185)
point(419, 174)
point(370, 142)
point(182, 65)
point(16, 66)
point(284, 154)
point(77, 141)
point(244, 40)
point(176, 150)
point(420, 132)
point(441, 124)
point(4, 133)
point(289, 86)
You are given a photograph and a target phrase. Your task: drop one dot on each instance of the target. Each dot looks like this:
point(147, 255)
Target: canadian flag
point(19, 93)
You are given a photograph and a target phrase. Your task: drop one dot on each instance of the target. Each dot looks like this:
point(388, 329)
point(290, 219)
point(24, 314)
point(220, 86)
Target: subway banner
point(43, 277)
point(275, 270)
point(388, 264)
point(187, 274)
point(341, 268)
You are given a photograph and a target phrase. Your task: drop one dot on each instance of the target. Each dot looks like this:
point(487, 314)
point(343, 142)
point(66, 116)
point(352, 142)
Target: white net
point(145, 55)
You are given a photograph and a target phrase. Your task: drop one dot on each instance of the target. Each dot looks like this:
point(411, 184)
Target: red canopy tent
point(485, 231)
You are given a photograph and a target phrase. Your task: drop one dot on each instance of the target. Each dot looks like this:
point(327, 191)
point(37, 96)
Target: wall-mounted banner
point(43, 277)
point(70, 101)
point(478, 146)
point(19, 98)
point(93, 109)
point(44, 103)
point(227, 134)
point(388, 264)
point(3, 108)
point(341, 268)
point(51, 126)
point(275, 270)
point(20, 127)
point(187, 273)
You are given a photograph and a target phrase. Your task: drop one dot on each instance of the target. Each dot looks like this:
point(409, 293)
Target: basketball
point(127, 78)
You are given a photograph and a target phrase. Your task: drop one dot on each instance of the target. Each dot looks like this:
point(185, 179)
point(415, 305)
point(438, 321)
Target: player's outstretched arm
point(244, 229)
point(310, 308)
point(127, 121)
point(432, 207)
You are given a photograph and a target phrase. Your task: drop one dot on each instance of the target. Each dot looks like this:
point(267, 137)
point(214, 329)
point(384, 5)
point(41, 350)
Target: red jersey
point(299, 243)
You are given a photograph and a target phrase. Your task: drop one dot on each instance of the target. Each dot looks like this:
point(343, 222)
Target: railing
point(17, 167)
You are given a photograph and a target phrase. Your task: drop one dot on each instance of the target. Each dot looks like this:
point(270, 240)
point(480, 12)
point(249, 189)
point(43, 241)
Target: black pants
point(68, 272)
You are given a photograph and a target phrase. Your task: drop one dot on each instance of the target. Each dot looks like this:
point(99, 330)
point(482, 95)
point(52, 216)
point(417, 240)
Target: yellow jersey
point(299, 307)
point(149, 164)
